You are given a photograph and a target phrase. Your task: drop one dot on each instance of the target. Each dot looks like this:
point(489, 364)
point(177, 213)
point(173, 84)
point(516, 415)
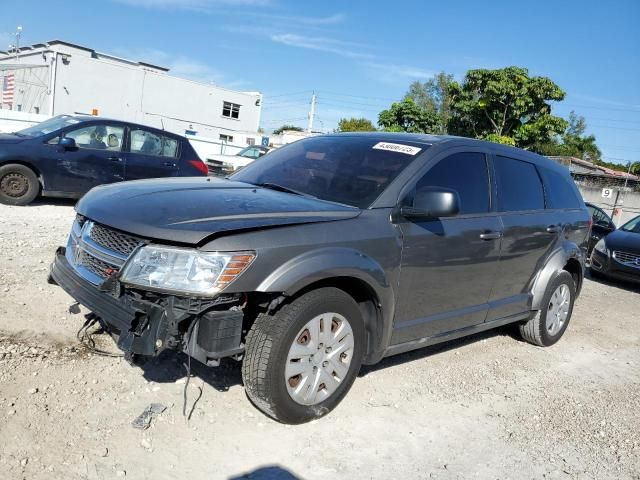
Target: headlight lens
point(184, 270)
point(601, 247)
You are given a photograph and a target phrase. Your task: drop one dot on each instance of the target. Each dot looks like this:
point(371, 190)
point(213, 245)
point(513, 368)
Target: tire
point(542, 333)
point(274, 340)
point(18, 185)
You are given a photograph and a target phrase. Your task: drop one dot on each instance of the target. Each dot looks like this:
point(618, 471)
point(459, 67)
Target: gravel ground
point(489, 406)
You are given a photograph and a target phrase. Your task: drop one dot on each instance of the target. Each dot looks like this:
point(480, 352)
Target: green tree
point(406, 116)
point(572, 142)
point(433, 96)
point(355, 125)
point(505, 102)
point(278, 131)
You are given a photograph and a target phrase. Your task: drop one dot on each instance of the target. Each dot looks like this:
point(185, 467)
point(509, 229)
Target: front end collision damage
point(145, 323)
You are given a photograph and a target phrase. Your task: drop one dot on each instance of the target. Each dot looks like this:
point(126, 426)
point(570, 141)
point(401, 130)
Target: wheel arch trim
point(340, 264)
point(557, 261)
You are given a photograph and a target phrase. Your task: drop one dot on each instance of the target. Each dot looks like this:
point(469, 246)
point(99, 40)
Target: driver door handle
point(553, 228)
point(114, 159)
point(491, 235)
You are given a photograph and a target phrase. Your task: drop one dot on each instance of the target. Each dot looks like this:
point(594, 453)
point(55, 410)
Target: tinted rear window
point(519, 185)
point(352, 170)
point(561, 193)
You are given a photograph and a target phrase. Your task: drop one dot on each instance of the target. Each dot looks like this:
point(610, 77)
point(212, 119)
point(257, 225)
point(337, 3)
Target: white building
point(61, 78)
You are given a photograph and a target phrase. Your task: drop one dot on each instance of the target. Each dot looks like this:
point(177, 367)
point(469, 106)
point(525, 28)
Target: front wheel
point(549, 324)
point(18, 185)
point(301, 361)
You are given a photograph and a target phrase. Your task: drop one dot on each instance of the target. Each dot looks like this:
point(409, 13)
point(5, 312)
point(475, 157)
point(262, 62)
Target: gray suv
point(328, 253)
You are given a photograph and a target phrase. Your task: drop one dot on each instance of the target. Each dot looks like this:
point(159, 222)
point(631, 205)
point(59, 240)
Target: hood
point(6, 138)
point(621, 240)
point(189, 210)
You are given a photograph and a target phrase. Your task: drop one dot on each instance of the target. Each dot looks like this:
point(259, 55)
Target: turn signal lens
point(235, 267)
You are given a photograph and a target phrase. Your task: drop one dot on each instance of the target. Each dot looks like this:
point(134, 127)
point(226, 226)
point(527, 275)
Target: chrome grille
point(95, 265)
point(627, 258)
point(113, 240)
point(96, 252)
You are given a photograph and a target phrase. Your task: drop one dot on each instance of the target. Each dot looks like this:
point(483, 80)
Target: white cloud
point(320, 44)
point(391, 70)
point(329, 20)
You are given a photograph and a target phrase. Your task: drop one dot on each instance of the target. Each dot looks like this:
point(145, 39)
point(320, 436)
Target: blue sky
point(359, 56)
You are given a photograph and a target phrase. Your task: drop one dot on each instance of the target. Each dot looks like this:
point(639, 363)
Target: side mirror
point(433, 202)
point(67, 143)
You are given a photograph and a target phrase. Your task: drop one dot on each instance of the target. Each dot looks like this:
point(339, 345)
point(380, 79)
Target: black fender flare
point(555, 263)
point(333, 262)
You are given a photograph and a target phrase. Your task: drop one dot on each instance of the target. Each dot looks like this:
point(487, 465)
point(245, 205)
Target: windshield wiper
point(281, 188)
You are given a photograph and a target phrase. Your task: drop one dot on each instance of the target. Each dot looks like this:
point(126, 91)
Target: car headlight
point(601, 247)
point(184, 270)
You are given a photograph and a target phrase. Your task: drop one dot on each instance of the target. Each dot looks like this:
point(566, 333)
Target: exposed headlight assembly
point(601, 247)
point(184, 270)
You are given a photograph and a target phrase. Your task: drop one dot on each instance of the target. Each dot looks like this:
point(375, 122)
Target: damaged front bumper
point(146, 323)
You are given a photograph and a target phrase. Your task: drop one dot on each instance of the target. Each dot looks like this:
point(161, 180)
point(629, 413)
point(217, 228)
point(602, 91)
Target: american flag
point(8, 87)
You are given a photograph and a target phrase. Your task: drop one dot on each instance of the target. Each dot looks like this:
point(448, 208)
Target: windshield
point(48, 126)
point(251, 152)
point(352, 170)
point(632, 225)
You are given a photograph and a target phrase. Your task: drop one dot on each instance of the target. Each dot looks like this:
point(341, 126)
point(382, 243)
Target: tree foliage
point(406, 116)
point(572, 142)
point(278, 131)
point(505, 102)
point(433, 96)
point(355, 125)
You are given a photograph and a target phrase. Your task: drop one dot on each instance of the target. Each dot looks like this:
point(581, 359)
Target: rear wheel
point(18, 185)
point(550, 323)
point(301, 361)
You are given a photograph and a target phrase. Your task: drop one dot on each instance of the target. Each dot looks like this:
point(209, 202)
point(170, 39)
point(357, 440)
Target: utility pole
point(624, 191)
point(312, 112)
point(18, 34)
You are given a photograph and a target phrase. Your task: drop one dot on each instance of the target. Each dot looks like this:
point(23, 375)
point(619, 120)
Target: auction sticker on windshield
point(396, 147)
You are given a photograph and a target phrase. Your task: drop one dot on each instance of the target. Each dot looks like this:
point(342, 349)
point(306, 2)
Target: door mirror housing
point(67, 143)
point(433, 202)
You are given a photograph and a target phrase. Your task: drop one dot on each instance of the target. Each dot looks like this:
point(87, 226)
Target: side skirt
point(463, 332)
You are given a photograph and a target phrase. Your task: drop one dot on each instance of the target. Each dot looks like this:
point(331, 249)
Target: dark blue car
point(68, 155)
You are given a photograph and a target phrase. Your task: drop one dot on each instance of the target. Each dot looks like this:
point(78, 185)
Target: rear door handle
point(490, 235)
point(114, 159)
point(553, 229)
point(169, 164)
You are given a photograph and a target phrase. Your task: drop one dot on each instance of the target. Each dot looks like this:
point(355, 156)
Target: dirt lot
point(487, 407)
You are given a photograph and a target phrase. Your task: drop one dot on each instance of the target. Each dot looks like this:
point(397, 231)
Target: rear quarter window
point(560, 189)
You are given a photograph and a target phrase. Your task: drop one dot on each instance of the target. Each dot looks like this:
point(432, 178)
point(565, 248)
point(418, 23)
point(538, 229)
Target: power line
point(613, 120)
point(615, 127)
point(385, 99)
point(292, 105)
point(293, 94)
point(597, 107)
